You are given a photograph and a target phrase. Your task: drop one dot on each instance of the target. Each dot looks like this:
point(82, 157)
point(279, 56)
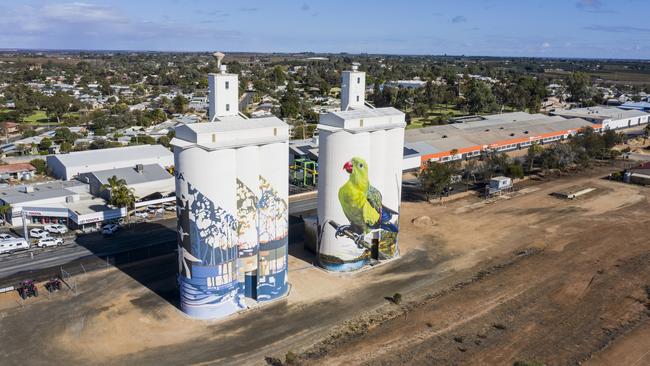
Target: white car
point(141, 214)
point(38, 233)
point(56, 229)
point(170, 208)
point(49, 242)
point(5, 236)
point(109, 229)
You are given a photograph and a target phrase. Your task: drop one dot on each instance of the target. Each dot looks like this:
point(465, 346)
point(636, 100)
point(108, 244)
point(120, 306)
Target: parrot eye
point(360, 165)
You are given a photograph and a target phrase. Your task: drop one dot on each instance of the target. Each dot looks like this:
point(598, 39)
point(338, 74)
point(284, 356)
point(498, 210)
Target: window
point(358, 80)
point(214, 138)
point(360, 123)
point(357, 98)
point(227, 84)
point(227, 107)
point(275, 132)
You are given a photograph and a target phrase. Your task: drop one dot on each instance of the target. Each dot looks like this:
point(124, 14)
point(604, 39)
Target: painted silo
point(336, 149)
point(248, 194)
point(207, 232)
point(360, 170)
point(273, 221)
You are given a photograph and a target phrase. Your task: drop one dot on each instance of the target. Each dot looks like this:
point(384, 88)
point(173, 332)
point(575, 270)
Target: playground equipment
point(27, 289)
point(304, 173)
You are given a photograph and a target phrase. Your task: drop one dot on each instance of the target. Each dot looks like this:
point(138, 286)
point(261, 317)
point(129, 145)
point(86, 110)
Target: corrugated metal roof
point(116, 154)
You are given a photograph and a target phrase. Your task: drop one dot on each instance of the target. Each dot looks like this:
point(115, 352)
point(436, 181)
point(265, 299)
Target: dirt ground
point(529, 277)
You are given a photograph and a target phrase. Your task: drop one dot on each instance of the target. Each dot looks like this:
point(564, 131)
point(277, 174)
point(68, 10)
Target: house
point(20, 171)
point(8, 127)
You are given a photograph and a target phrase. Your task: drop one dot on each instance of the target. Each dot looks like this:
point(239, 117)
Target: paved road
point(135, 237)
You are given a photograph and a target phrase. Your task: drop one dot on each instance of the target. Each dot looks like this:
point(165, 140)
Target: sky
point(536, 28)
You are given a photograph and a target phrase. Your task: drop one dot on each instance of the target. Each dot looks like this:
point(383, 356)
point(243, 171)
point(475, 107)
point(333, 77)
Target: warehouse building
point(611, 118)
point(146, 180)
point(68, 166)
point(475, 135)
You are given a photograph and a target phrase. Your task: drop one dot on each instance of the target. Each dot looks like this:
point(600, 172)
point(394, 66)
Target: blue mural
point(207, 258)
point(273, 225)
point(217, 250)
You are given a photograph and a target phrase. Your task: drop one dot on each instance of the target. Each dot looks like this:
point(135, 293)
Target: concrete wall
point(224, 95)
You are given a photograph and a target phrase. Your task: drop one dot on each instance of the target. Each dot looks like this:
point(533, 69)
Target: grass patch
point(36, 117)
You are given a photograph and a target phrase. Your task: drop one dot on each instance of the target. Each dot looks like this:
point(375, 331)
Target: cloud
point(546, 45)
point(82, 25)
point(617, 29)
point(589, 4)
point(458, 19)
point(81, 13)
point(592, 6)
point(305, 7)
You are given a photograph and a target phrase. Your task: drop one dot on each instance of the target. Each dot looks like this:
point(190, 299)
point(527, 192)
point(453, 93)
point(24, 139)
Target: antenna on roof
point(219, 56)
point(355, 66)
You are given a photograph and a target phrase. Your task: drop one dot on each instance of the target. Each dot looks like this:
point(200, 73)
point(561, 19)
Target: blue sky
point(558, 28)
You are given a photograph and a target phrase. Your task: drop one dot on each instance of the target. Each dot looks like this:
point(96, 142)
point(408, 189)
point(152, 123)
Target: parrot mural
point(362, 203)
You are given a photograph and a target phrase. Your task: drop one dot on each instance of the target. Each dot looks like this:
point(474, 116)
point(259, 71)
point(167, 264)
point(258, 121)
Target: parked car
point(141, 214)
point(13, 245)
point(5, 236)
point(170, 208)
point(49, 242)
point(38, 233)
point(56, 229)
point(156, 211)
point(109, 229)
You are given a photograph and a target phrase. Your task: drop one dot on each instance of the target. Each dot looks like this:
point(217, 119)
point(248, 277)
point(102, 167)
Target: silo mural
point(207, 233)
point(248, 193)
point(360, 178)
point(273, 223)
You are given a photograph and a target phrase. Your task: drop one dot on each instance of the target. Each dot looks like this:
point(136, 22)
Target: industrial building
point(146, 181)
point(68, 166)
point(610, 118)
point(232, 204)
point(475, 135)
point(360, 179)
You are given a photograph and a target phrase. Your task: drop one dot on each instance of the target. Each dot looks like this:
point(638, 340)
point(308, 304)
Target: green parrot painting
point(362, 203)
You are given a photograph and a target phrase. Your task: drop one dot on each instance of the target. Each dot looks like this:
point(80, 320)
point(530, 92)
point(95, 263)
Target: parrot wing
point(374, 198)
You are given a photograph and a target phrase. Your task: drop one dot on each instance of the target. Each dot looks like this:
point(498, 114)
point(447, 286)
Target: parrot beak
point(348, 167)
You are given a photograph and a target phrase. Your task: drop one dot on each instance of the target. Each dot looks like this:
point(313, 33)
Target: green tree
point(5, 209)
point(579, 86)
point(533, 153)
point(45, 144)
point(479, 97)
point(180, 103)
point(39, 164)
point(58, 105)
point(434, 178)
point(120, 194)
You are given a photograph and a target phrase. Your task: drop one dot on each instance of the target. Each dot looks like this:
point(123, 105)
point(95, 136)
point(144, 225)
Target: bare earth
point(532, 277)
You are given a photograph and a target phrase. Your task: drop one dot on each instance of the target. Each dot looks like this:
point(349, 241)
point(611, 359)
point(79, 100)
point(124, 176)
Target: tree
point(45, 144)
point(39, 164)
point(479, 97)
point(515, 170)
point(579, 86)
point(58, 105)
point(5, 209)
point(435, 178)
point(533, 153)
point(120, 194)
point(180, 103)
